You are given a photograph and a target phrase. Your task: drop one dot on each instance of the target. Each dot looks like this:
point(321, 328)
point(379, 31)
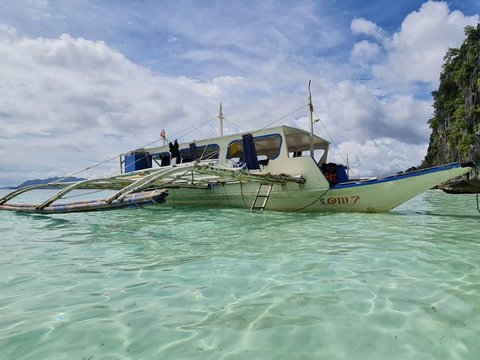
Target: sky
point(84, 80)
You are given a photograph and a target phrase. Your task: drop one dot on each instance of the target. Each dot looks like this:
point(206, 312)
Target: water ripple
point(230, 284)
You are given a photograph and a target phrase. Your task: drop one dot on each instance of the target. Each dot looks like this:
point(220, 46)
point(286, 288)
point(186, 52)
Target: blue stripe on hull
point(397, 177)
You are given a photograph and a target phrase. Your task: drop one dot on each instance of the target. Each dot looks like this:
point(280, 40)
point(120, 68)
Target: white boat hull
point(379, 195)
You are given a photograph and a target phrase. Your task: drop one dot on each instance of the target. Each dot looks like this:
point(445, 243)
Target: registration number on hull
point(340, 200)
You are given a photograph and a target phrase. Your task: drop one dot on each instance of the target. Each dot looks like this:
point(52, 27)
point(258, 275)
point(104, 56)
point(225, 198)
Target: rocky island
point(455, 122)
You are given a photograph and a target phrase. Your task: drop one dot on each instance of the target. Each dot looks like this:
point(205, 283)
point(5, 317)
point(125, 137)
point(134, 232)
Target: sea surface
point(207, 283)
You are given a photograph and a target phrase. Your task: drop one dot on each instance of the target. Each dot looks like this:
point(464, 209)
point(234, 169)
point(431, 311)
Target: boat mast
point(310, 106)
point(220, 119)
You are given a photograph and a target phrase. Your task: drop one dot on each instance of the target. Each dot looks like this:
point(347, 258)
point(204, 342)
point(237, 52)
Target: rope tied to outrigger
point(478, 202)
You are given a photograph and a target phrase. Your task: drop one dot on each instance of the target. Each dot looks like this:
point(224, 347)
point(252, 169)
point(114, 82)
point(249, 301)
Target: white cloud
point(365, 53)
point(352, 111)
point(379, 157)
point(67, 102)
point(386, 115)
point(361, 26)
point(416, 51)
point(7, 33)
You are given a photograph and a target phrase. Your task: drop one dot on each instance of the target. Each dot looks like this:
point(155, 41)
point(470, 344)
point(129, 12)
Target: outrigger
point(279, 168)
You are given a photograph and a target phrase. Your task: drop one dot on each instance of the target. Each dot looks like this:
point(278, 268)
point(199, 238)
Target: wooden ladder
point(263, 192)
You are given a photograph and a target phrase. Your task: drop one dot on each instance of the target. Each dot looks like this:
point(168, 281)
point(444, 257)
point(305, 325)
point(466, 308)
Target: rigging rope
point(243, 198)
point(253, 132)
point(226, 194)
point(478, 204)
point(82, 194)
point(330, 137)
point(283, 117)
point(195, 128)
point(116, 156)
point(333, 142)
point(313, 202)
point(157, 140)
point(233, 125)
point(96, 165)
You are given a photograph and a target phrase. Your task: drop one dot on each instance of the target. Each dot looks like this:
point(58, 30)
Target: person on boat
point(175, 151)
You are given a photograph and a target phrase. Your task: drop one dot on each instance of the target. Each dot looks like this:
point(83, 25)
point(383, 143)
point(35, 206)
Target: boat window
point(318, 154)
point(186, 155)
point(203, 152)
point(162, 159)
point(298, 145)
point(210, 151)
point(267, 147)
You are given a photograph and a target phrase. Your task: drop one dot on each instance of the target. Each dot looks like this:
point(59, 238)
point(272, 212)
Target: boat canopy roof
point(295, 139)
point(299, 140)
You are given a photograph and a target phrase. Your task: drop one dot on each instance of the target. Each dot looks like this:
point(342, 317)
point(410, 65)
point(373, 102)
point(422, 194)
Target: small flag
point(162, 134)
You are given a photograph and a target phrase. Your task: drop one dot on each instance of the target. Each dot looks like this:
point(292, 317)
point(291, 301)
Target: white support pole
point(310, 106)
point(220, 119)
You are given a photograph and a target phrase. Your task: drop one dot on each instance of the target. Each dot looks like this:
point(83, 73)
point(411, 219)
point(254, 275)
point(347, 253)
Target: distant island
point(42, 181)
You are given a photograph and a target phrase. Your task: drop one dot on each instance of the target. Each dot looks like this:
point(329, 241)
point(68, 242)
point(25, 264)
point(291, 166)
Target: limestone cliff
point(456, 117)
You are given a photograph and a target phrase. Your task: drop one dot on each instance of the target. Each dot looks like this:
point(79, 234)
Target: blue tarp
point(137, 161)
point(249, 152)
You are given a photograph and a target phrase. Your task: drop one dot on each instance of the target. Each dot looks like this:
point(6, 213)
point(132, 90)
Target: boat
point(272, 169)
point(280, 168)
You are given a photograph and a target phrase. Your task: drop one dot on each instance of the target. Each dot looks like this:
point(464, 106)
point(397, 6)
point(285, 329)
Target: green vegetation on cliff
point(456, 116)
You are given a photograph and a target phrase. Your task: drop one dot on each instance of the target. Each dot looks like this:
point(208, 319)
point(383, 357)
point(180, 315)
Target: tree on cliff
point(456, 116)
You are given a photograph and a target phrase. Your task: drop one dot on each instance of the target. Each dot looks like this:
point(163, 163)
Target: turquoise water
point(229, 284)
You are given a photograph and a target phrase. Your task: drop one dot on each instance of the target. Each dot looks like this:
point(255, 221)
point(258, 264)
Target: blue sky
point(81, 81)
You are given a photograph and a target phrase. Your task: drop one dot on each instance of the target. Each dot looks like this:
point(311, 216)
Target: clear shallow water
point(229, 284)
